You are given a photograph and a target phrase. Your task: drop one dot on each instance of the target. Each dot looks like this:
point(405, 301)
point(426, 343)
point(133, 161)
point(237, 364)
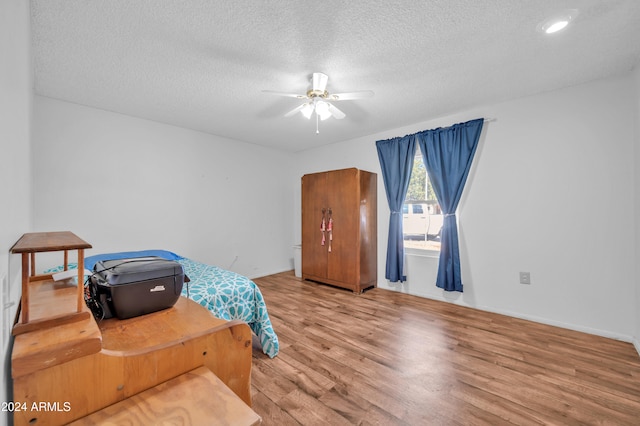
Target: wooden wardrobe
point(339, 228)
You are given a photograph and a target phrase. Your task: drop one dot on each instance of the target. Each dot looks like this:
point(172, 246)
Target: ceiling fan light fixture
point(307, 110)
point(557, 22)
point(322, 108)
point(324, 116)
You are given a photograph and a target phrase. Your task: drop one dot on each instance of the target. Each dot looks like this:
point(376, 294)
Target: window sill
point(434, 254)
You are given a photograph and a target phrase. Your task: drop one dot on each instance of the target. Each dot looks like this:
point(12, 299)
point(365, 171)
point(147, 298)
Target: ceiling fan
point(319, 100)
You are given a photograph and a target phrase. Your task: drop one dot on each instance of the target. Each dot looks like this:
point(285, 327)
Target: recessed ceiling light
point(557, 22)
point(556, 26)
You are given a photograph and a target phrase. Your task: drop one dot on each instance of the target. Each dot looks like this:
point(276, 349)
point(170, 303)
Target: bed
point(226, 294)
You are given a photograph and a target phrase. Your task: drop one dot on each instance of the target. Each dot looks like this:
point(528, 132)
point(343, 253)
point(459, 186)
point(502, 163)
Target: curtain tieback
point(392, 212)
point(449, 214)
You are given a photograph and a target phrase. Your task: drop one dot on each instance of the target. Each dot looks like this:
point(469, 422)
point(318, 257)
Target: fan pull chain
point(317, 130)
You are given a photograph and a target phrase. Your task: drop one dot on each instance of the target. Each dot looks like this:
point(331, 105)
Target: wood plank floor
point(386, 358)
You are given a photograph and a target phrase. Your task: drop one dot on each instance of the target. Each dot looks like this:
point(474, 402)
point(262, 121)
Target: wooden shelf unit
point(48, 314)
point(62, 309)
point(91, 366)
point(64, 358)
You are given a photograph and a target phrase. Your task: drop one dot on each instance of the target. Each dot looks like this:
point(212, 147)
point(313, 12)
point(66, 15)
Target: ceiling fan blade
point(289, 95)
point(294, 111)
point(337, 114)
point(350, 95)
point(319, 81)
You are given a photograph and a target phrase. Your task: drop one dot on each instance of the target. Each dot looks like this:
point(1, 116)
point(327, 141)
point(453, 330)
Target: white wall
point(123, 183)
point(637, 205)
point(550, 192)
point(15, 179)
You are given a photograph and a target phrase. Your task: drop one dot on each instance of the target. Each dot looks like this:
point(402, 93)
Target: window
point(421, 215)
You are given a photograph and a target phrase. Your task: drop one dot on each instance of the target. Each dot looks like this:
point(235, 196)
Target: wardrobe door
point(368, 229)
point(314, 199)
point(343, 191)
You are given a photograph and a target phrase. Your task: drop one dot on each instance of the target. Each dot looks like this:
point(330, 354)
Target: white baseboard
point(568, 326)
point(267, 273)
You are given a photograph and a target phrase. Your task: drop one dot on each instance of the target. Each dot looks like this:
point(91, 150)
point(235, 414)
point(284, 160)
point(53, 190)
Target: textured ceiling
point(202, 64)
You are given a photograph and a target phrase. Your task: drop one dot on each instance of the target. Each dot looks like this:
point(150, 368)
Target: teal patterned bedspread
point(226, 294)
point(230, 296)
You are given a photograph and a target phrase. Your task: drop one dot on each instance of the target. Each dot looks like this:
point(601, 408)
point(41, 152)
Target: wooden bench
point(194, 398)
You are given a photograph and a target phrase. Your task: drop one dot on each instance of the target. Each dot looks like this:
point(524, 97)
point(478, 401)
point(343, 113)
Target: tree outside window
point(421, 215)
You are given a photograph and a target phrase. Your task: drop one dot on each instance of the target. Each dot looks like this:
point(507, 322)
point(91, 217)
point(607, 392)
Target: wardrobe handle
point(330, 228)
point(323, 226)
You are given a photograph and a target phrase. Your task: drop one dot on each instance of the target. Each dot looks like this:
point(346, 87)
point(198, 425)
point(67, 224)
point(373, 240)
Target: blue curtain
point(448, 153)
point(396, 160)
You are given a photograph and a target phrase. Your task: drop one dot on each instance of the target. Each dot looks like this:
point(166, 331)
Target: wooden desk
point(64, 367)
point(48, 314)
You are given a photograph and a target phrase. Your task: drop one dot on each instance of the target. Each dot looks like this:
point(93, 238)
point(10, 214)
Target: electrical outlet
point(525, 278)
